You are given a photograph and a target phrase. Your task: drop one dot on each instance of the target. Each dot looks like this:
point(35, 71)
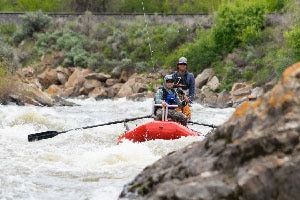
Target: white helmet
point(182, 60)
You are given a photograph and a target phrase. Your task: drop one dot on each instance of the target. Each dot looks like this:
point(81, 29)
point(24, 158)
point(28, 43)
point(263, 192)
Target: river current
point(81, 164)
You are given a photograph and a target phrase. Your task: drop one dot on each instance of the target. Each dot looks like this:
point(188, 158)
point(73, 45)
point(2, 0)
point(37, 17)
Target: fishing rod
point(51, 134)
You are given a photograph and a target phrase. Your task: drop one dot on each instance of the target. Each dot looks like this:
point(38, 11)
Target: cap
point(169, 77)
point(182, 60)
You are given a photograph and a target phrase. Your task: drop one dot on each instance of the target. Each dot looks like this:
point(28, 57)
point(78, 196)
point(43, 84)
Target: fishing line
point(149, 39)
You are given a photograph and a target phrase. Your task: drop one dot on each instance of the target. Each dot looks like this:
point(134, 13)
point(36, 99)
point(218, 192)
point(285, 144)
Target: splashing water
point(81, 164)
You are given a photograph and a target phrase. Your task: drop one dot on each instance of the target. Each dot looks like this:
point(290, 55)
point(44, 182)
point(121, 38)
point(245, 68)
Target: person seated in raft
point(184, 109)
point(167, 95)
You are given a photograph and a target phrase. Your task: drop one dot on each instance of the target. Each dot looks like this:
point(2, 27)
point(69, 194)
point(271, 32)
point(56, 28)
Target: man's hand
point(187, 99)
point(164, 104)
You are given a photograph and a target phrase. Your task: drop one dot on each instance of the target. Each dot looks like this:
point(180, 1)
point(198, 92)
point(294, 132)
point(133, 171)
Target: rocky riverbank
point(53, 85)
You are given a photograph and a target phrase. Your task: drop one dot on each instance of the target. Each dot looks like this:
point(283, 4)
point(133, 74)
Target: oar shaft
point(203, 124)
point(115, 122)
point(50, 134)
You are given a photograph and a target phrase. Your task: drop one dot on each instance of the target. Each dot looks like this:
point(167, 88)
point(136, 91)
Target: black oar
point(202, 124)
point(50, 134)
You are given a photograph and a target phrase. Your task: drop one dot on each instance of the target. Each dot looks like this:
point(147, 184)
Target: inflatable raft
point(164, 129)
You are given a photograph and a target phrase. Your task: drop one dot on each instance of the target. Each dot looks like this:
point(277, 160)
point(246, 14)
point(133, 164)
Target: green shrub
point(171, 60)
point(18, 37)
point(72, 43)
point(77, 56)
point(202, 52)
point(262, 76)
point(8, 29)
point(70, 39)
point(101, 31)
point(94, 61)
point(32, 23)
point(117, 42)
point(141, 67)
point(35, 5)
point(166, 38)
point(293, 40)
point(247, 75)
point(237, 23)
point(47, 42)
point(108, 65)
point(226, 73)
point(276, 5)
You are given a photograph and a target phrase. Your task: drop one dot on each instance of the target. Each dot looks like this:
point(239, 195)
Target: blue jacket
point(189, 82)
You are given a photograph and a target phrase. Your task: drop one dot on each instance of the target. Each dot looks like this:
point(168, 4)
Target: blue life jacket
point(171, 99)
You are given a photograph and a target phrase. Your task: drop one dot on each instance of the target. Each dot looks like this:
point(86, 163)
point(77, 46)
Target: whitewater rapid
point(81, 164)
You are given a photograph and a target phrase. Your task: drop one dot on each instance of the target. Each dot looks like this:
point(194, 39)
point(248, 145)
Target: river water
point(81, 164)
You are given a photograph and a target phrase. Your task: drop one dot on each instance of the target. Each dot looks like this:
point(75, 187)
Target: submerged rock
point(254, 155)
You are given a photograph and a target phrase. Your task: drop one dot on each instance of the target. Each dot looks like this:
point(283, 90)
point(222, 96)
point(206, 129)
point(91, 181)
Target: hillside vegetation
point(241, 46)
point(129, 6)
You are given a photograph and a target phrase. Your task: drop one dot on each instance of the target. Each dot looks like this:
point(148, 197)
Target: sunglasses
point(169, 81)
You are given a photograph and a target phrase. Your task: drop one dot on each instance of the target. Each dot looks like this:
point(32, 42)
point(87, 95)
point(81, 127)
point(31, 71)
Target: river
point(81, 164)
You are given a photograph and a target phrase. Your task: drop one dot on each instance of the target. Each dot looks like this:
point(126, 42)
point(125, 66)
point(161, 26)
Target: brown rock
point(202, 78)
point(98, 76)
point(63, 74)
point(89, 85)
point(75, 82)
point(98, 93)
point(135, 84)
point(54, 90)
point(48, 77)
point(110, 81)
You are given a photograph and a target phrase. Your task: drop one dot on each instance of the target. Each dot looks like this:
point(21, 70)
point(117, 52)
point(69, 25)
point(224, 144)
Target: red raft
point(166, 130)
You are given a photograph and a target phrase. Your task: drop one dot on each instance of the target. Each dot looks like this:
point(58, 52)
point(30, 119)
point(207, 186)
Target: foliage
point(141, 67)
point(166, 38)
point(236, 24)
point(74, 46)
point(262, 76)
point(94, 61)
point(129, 6)
point(8, 29)
point(35, 5)
point(276, 60)
point(32, 23)
point(202, 52)
point(293, 40)
point(276, 5)
point(226, 74)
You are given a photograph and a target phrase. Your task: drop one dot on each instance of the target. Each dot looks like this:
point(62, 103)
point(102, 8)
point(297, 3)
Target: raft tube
point(166, 130)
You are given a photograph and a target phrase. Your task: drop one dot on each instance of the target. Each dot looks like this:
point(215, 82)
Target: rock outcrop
point(254, 155)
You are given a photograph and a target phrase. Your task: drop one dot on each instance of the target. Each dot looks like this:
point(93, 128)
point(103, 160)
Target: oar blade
point(42, 135)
